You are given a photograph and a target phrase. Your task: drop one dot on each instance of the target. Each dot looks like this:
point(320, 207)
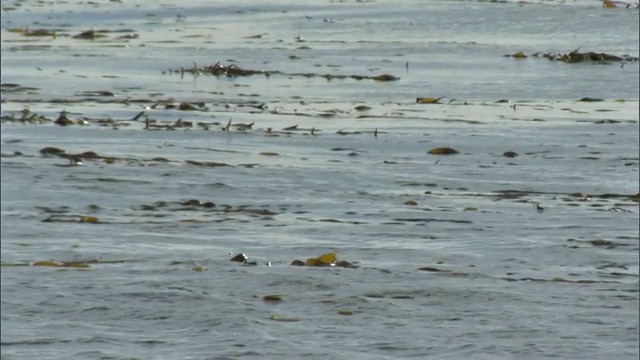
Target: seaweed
point(234, 71)
point(576, 56)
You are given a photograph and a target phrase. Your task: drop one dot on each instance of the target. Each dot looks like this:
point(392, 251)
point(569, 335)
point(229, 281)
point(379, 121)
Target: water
point(516, 283)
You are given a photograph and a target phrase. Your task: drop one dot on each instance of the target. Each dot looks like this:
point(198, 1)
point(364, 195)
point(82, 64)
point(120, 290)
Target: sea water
point(526, 257)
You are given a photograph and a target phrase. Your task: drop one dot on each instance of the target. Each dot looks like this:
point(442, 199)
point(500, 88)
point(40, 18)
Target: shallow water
point(514, 282)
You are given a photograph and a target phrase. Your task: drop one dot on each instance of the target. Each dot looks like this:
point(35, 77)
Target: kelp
point(88, 35)
point(443, 151)
point(272, 298)
point(324, 260)
point(234, 71)
point(99, 34)
point(611, 4)
point(599, 243)
point(576, 56)
point(76, 159)
point(73, 219)
point(34, 33)
point(64, 264)
point(17, 88)
point(242, 258)
point(199, 268)
point(85, 35)
point(590, 99)
point(275, 317)
point(26, 115)
point(428, 100)
point(206, 163)
point(63, 120)
point(209, 207)
point(557, 279)
point(561, 280)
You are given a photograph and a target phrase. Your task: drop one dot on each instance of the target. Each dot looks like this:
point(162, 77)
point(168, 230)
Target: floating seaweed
point(383, 77)
point(518, 55)
point(443, 151)
point(89, 35)
point(50, 150)
point(283, 319)
point(324, 260)
point(34, 33)
point(206, 163)
point(272, 298)
point(590, 99)
point(72, 219)
point(199, 268)
point(611, 4)
point(234, 71)
point(95, 93)
point(63, 120)
point(429, 100)
point(430, 269)
point(240, 258)
point(576, 56)
point(65, 264)
point(184, 106)
point(243, 258)
point(562, 280)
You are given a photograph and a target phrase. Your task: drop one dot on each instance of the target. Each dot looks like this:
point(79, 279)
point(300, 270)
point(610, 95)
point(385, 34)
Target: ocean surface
point(145, 144)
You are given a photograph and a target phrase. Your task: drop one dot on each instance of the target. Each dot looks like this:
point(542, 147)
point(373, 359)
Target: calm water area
point(144, 144)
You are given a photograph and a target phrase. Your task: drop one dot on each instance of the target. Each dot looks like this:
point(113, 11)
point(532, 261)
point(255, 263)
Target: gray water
point(514, 282)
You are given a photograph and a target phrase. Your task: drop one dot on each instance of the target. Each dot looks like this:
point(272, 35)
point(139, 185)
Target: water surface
point(514, 282)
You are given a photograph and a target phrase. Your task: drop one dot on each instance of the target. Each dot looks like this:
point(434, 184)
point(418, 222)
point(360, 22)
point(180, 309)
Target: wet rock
point(510, 154)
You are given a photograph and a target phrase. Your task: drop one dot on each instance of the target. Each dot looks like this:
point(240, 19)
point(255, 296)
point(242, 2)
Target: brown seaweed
point(233, 71)
point(576, 56)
